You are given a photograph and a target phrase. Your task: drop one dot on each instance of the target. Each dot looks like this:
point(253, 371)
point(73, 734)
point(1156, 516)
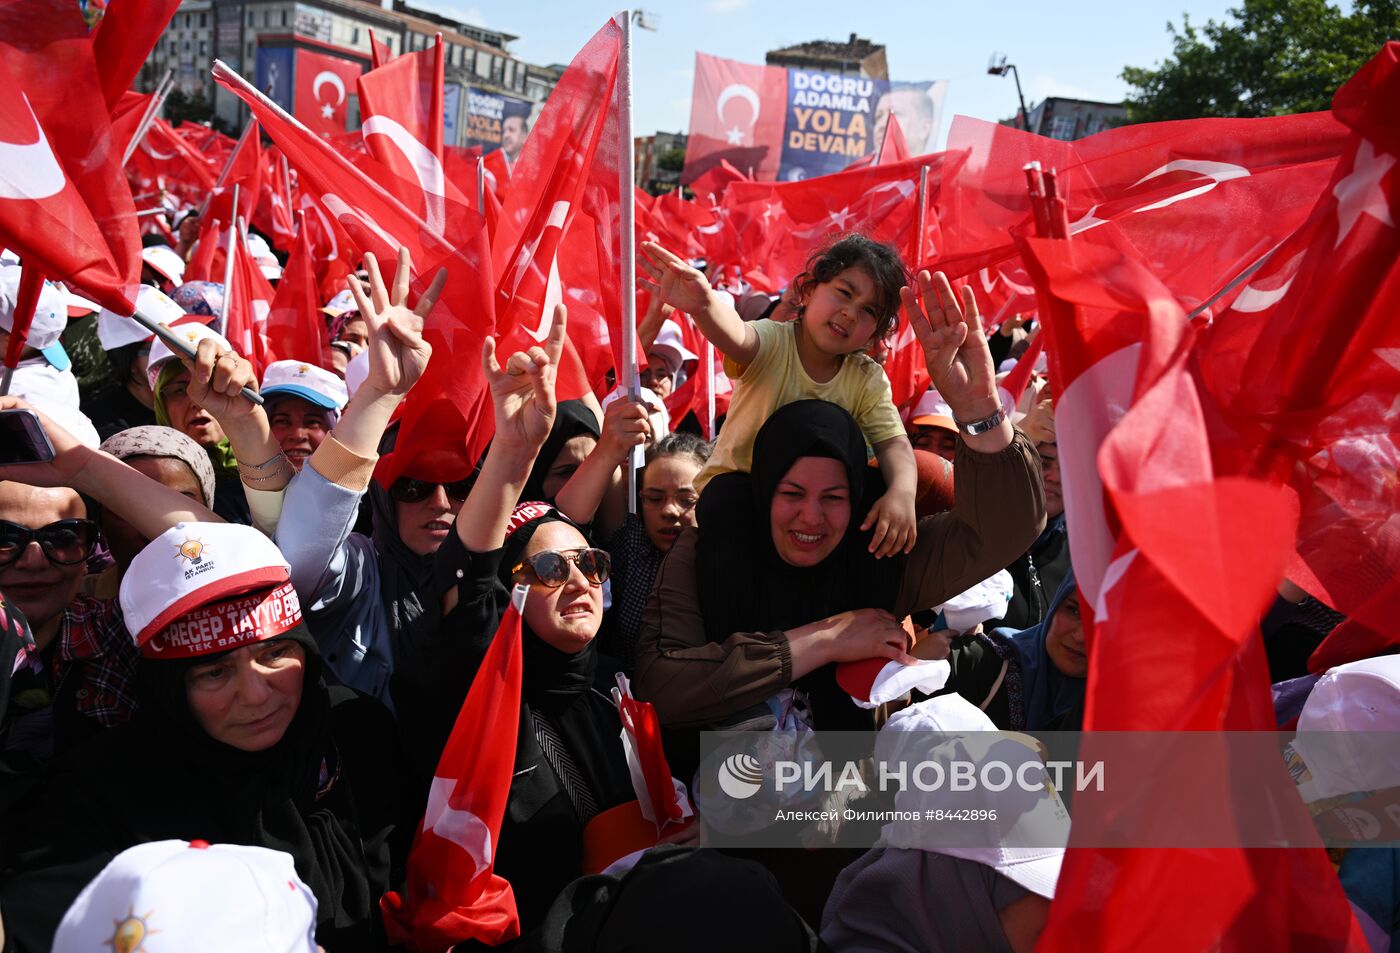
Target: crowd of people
point(238, 634)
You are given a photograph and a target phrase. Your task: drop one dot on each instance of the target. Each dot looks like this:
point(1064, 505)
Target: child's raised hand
point(671, 280)
point(895, 524)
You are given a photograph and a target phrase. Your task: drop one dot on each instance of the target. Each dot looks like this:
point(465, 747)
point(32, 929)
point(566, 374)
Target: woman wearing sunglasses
point(78, 676)
point(367, 598)
point(569, 763)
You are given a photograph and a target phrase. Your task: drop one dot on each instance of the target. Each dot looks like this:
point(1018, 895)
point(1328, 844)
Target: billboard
point(274, 75)
point(497, 121)
point(789, 124)
point(324, 85)
point(451, 109)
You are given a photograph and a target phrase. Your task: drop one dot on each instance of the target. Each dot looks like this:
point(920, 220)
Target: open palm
point(672, 280)
point(955, 345)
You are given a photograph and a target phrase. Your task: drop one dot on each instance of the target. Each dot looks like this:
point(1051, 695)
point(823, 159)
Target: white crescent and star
point(1360, 193)
point(734, 134)
point(326, 76)
point(30, 170)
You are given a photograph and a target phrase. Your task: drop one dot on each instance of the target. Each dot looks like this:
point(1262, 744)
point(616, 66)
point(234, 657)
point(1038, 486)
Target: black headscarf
point(574, 729)
point(572, 419)
point(745, 586)
point(676, 899)
point(325, 793)
point(405, 579)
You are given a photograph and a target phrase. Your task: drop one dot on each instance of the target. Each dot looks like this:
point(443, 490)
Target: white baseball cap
point(50, 316)
point(1030, 828)
point(261, 253)
point(306, 381)
point(669, 339)
point(1340, 729)
point(174, 895)
point(199, 588)
point(933, 411)
point(117, 330)
point(193, 334)
point(343, 301)
point(166, 261)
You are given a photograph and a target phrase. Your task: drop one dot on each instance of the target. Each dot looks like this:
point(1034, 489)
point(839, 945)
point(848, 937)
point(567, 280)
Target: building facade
point(652, 175)
point(240, 31)
point(855, 56)
point(1070, 119)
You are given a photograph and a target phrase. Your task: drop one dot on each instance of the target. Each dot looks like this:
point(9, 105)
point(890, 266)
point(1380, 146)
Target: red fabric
point(124, 38)
point(245, 170)
point(247, 304)
point(379, 52)
point(65, 207)
point(206, 264)
point(452, 893)
point(166, 160)
point(296, 329)
point(402, 108)
point(563, 169)
point(273, 215)
point(641, 724)
point(711, 184)
point(1306, 368)
point(126, 116)
point(322, 92)
point(737, 114)
point(373, 220)
point(1117, 339)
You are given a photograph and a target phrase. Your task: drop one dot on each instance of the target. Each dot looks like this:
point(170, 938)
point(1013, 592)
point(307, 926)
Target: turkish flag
point(1135, 455)
point(562, 168)
point(323, 85)
point(273, 215)
point(1306, 368)
point(453, 893)
point(379, 51)
point(173, 164)
point(124, 38)
point(205, 262)
point(245, 170)
point(65, 206)
point(247, 304)
point(711, 185)
point(373, 220)
point(737, 114)
point(402, 108)
point(296, 329)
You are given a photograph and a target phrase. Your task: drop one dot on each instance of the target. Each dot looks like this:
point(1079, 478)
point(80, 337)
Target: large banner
point(274, 75)
point(451, 109)
point(324, 85)
point(790, 124)
point(497, 121)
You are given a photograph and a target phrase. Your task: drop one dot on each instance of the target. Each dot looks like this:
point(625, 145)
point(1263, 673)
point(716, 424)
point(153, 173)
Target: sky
point(1074, 48)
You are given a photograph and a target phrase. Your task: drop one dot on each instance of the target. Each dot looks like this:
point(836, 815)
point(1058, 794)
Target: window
point(203, 48)
point(284, 17)
point(203, 20)
point(250, 51)
point(187, 21)
point(187, 46)
point(172, 47)
point(510, 73)
point(250, 17)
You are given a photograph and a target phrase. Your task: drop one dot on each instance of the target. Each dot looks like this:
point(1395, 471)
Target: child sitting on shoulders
point(847, 299)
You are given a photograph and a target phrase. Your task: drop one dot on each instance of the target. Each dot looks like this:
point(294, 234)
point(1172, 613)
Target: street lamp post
point(997, 66)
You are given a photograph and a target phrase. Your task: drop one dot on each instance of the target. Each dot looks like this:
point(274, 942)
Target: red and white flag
point(65, 206)
point(124, 38)
point(296, 329)
point(453, 893)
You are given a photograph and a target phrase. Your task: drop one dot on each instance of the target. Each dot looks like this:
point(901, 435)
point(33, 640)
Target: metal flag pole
point(921, 218)
point(627, 192)
point(228, 166)
point(481, 184)
point(228, 265)
point(167, 82)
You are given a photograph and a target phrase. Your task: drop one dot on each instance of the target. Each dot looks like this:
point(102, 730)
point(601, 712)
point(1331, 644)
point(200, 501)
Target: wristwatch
point(974, 427)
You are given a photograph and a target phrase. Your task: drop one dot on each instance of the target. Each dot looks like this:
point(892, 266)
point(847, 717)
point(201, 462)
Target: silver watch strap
point(975, 427)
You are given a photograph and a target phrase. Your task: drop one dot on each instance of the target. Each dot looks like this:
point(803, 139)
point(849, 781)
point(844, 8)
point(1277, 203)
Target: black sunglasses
point(66, 542)
point(551, 568)
point(409, 490)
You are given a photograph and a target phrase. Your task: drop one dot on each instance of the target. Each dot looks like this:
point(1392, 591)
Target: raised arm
point(523, 396)
point(217, 378)
point(596, 493)
point(150, 507)
point(686, 289)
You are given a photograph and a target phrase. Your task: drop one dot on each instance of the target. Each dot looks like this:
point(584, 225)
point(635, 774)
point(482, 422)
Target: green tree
point(672, 160)
point(1272, 58)
point(182, 108)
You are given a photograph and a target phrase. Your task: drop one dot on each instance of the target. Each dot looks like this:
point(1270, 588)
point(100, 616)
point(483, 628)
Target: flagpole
point(228, 167)
point(923, 206)
point(31, 285)
point(710, 389)
point(167, 82)
point(228, 264)
point(481, 184)
point(287, 191)
point(627, 195)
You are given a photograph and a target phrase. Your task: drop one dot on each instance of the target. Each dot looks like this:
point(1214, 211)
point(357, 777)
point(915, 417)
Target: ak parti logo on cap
point(194, 552)
point(131, 932)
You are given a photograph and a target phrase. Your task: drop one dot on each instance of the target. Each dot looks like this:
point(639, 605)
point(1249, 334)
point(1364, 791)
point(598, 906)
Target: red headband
point(231, 624)
point(524, 513)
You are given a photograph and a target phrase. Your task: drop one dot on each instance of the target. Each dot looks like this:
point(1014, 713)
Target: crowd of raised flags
point(1214, 303)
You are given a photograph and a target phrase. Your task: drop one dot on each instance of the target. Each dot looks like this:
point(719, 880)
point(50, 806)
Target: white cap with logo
point(50, 316)
point(193, 334)
point(307, 381)
point(174, 896)
point(166, 261)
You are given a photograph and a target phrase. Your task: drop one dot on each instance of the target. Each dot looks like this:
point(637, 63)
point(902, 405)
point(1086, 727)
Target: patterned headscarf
point(200, 297)
point(153, 441)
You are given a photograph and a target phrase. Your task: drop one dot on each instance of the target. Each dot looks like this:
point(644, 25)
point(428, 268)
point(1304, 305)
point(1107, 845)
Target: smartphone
point(22, 437)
